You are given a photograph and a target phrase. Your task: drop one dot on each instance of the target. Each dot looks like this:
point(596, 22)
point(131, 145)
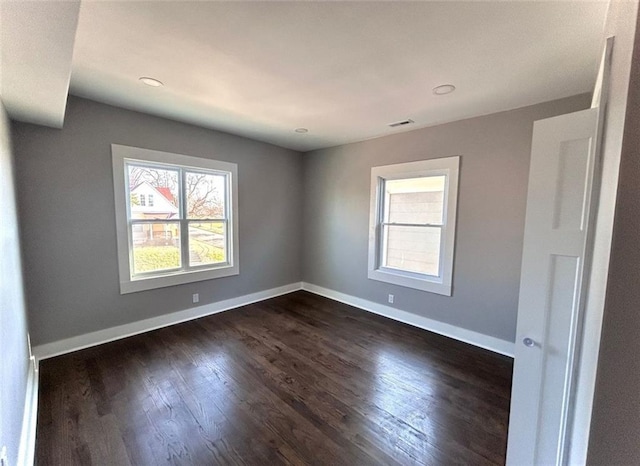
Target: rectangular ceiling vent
point(401, 123)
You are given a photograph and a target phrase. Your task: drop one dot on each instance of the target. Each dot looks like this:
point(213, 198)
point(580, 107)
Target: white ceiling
point(36, 46)
point(344, 70)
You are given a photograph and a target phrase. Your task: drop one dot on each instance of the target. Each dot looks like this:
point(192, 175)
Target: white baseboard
point(468, 336)
point(26, 453)
point(68, 345)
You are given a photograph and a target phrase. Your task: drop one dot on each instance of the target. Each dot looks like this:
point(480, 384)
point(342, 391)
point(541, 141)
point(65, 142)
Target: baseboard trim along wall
point(99, 337)
point(494, 344)
point(27, 449)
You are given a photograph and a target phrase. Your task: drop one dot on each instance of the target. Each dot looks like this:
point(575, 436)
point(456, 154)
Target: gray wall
point(495, 152)
point(65, 189)
point(14, 359)
point(615, 428)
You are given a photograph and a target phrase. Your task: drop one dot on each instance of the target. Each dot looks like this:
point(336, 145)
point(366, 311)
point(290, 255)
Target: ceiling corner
point(36, 51)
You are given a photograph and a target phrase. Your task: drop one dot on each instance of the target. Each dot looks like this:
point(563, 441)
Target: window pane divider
point(434, 225)
point(205, 220)
point(153, 273)
point(153, 220)
point(184, 226)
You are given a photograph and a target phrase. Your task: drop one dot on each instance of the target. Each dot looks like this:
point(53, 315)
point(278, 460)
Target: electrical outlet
point(391, 299)
point(4, 460)
point(196, 297)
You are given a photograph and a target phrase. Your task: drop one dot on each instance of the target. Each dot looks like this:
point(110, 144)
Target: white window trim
point(442, 284)
point(120, 154)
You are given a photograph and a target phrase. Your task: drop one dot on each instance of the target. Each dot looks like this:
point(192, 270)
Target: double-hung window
point(412, 224)
point(176, 218)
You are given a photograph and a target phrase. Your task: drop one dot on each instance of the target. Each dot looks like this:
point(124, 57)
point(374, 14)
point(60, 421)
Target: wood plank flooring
point(297, 379)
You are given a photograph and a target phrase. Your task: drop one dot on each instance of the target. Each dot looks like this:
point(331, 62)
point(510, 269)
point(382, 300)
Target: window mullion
point(184, 224)
point(228, 227)
point(127, 206)
point(383, 205)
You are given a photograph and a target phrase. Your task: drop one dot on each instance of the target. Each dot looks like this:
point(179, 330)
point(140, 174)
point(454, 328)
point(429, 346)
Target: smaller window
point(150, 200)
point(143, 200)
point(412, 223)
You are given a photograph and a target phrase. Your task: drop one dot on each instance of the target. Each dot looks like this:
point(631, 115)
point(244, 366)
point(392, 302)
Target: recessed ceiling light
point(444, 89)
point(301, 130)
point(151, 82)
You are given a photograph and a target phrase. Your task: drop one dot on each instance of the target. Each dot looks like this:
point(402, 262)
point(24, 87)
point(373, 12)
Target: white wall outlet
point(196, 297)
point(391, 298)
point(4, 459)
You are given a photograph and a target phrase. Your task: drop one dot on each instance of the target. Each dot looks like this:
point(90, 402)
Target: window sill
point(422, 284)
point(142, 284)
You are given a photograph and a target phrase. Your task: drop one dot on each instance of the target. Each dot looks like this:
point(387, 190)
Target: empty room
point(319, 232)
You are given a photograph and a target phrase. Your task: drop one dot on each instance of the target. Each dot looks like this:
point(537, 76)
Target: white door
point(563, 157)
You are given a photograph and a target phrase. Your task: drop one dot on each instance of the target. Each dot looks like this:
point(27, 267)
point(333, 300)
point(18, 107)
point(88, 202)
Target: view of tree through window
point(177, 218)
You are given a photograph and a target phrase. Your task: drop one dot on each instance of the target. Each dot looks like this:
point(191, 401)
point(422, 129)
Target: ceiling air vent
point(401, 123)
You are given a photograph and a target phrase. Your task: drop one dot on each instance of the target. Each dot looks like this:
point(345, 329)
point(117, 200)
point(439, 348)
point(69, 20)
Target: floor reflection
point(399, 384)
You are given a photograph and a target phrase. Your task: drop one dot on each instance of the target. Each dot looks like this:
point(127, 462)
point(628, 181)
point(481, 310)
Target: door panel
point(558, 206)
point(573, 161)
point(563, 290)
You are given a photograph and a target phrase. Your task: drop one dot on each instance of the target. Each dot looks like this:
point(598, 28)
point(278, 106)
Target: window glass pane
point(414, 249)
point(207, 243)
point(156, 246)
point(205, 195)
point(415, 200)
point(153, 192)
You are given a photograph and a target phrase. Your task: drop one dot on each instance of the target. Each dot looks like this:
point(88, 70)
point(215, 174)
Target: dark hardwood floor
point(297, 379)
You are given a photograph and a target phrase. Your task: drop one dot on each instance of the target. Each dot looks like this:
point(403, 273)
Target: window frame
point(441, 284)
point(129, 283)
